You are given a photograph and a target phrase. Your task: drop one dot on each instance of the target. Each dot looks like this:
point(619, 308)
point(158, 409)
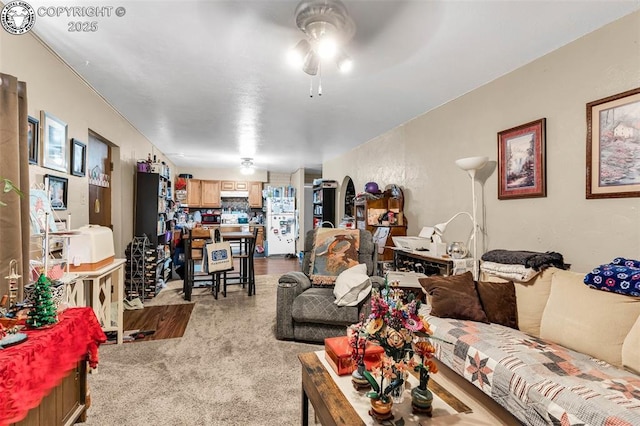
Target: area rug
point(227, 369)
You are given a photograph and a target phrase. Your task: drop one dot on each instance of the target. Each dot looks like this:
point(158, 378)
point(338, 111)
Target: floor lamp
point(472, 165)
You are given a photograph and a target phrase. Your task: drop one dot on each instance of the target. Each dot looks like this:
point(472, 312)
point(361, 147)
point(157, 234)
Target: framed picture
point(33, 138)
point(78, 158)
point(57, 187)
point(521, 161)
point(54, 142)
point(613, 146)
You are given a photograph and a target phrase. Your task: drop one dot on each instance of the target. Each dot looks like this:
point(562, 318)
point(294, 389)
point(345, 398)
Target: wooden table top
point(236, 235)
point(330, 405)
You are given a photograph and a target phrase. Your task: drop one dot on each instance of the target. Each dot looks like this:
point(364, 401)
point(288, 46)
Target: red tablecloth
point(28, 371)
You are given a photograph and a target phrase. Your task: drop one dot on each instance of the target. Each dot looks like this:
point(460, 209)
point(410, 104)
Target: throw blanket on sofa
point(530, 259)
point(541, 383)
point(620, 276)
point(509, 272)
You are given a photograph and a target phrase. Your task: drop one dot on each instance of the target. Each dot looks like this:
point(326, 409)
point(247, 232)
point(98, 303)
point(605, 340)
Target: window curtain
point(14, 165)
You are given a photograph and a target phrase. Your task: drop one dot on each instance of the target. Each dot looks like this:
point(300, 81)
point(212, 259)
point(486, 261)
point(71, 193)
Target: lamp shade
point(472, 163)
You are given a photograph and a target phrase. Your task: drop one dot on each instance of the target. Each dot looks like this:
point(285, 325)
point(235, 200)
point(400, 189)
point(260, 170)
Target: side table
point(104, 287)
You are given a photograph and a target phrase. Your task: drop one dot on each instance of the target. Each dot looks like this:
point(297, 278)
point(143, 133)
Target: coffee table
point(332, 407)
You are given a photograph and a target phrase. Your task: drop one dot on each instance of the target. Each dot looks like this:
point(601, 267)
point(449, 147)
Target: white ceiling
point(207, 81)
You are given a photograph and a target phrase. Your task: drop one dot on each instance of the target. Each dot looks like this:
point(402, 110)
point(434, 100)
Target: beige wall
point(53, 87)
point(224, 174)
point(419, 155)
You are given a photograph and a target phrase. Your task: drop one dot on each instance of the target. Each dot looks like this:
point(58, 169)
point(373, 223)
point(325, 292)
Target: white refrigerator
point(281, 226)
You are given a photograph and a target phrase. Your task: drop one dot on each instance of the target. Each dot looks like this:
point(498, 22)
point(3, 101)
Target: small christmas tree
point(43, 312)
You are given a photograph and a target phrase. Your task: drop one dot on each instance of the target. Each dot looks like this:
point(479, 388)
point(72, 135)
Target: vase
point(397, 394)
point(381, 409)
point(421, 397)
point(358, 380)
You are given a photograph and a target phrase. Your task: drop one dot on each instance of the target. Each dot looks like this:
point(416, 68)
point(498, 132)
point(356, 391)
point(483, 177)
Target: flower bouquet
point(396, 325)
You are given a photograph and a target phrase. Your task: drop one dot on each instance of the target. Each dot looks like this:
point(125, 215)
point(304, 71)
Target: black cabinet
point(324, 206)
point(153, 220)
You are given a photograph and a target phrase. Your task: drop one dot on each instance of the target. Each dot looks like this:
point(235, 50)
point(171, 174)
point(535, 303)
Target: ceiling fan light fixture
point(298, 53)
point(311, 63)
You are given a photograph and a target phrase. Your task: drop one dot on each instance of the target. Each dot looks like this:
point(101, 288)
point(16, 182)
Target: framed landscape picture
point(78, 158)
point(33, 139)
point(522, 161)
point(613, 146)
point(54, 142)
point(57, 188)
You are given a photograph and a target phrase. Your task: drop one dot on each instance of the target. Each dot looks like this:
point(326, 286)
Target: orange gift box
point(337, 351)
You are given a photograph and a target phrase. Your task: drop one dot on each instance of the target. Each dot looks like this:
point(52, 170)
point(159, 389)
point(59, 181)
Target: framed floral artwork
point(54, 142)
point(613, 146)
point(78, 158)
point(57, 188)
point(522, 161)
point(33, 139)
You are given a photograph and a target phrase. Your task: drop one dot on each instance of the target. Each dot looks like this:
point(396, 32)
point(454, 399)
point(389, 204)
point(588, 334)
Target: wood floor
point(157, 322)
point(275, 265)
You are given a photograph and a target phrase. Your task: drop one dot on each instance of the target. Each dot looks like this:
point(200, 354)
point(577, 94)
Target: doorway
point(349, 197)
point(99, 170)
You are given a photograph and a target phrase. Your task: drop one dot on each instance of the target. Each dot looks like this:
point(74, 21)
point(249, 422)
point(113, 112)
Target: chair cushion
point(334, 250)
point(352, 286)
point(316, 306)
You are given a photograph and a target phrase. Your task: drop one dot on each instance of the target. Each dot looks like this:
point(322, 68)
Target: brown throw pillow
point(454, 296)
point(499, 302)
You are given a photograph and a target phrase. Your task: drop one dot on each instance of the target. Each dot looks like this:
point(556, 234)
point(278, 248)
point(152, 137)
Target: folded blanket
point(620, 276)
point(509, 272)
point(530, 259)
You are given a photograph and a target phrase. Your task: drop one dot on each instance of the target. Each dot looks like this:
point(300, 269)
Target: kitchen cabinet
point(194, 192)
point(255, 194)
point(231, 185)
point(210, 193)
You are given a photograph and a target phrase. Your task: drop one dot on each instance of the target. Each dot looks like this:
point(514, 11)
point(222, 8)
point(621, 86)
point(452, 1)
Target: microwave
point(210, 218)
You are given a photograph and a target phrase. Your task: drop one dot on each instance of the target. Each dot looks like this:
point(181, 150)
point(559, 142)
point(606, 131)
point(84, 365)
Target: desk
point(422, 262)
point(102, 287)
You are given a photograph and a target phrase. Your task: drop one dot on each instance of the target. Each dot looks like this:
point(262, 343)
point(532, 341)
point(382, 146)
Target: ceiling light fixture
point(246, 166)
point(327, 27)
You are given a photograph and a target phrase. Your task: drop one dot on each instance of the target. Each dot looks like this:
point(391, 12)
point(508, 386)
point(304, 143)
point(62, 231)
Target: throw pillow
point(352, 286)
point(499, 302)
point(334, 250)
point(454, 296)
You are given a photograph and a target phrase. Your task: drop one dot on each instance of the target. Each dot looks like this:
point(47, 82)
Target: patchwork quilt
point(540, 382)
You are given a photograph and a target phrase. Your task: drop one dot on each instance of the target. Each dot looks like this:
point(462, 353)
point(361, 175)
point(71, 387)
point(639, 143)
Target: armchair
point(308, 313)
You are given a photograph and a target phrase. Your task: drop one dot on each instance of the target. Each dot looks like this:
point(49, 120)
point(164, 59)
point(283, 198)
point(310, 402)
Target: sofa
point(551, 350)
point(307, 312)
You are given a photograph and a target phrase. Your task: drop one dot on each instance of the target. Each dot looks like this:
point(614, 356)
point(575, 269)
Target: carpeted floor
point(227, 369)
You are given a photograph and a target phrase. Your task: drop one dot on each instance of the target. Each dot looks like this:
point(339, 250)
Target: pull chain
point(320, 79)
point(311, 87)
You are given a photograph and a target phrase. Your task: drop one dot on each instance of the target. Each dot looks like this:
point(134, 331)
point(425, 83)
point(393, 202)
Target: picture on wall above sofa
point(613, 146)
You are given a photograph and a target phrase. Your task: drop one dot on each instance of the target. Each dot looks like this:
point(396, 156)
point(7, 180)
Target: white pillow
point(352, 286)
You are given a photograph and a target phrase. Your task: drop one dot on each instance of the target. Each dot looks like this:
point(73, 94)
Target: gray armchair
point(309, 313)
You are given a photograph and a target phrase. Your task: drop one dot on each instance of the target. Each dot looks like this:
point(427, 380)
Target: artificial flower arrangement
point(396, 325)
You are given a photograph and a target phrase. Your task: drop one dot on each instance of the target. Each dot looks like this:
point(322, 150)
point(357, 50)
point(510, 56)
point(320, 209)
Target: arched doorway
point(348, 194)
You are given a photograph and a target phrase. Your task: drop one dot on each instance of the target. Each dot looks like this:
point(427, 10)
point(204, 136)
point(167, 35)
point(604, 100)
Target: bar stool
point(245, 256)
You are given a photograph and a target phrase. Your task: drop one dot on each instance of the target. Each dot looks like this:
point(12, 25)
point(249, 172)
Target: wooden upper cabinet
point(211, 193)
point(232, 185)
point(194, 192)
point(255, 194)
point(228, 185)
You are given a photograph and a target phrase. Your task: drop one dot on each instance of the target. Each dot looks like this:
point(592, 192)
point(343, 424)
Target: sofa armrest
point(290, 286)
point(377, 282)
